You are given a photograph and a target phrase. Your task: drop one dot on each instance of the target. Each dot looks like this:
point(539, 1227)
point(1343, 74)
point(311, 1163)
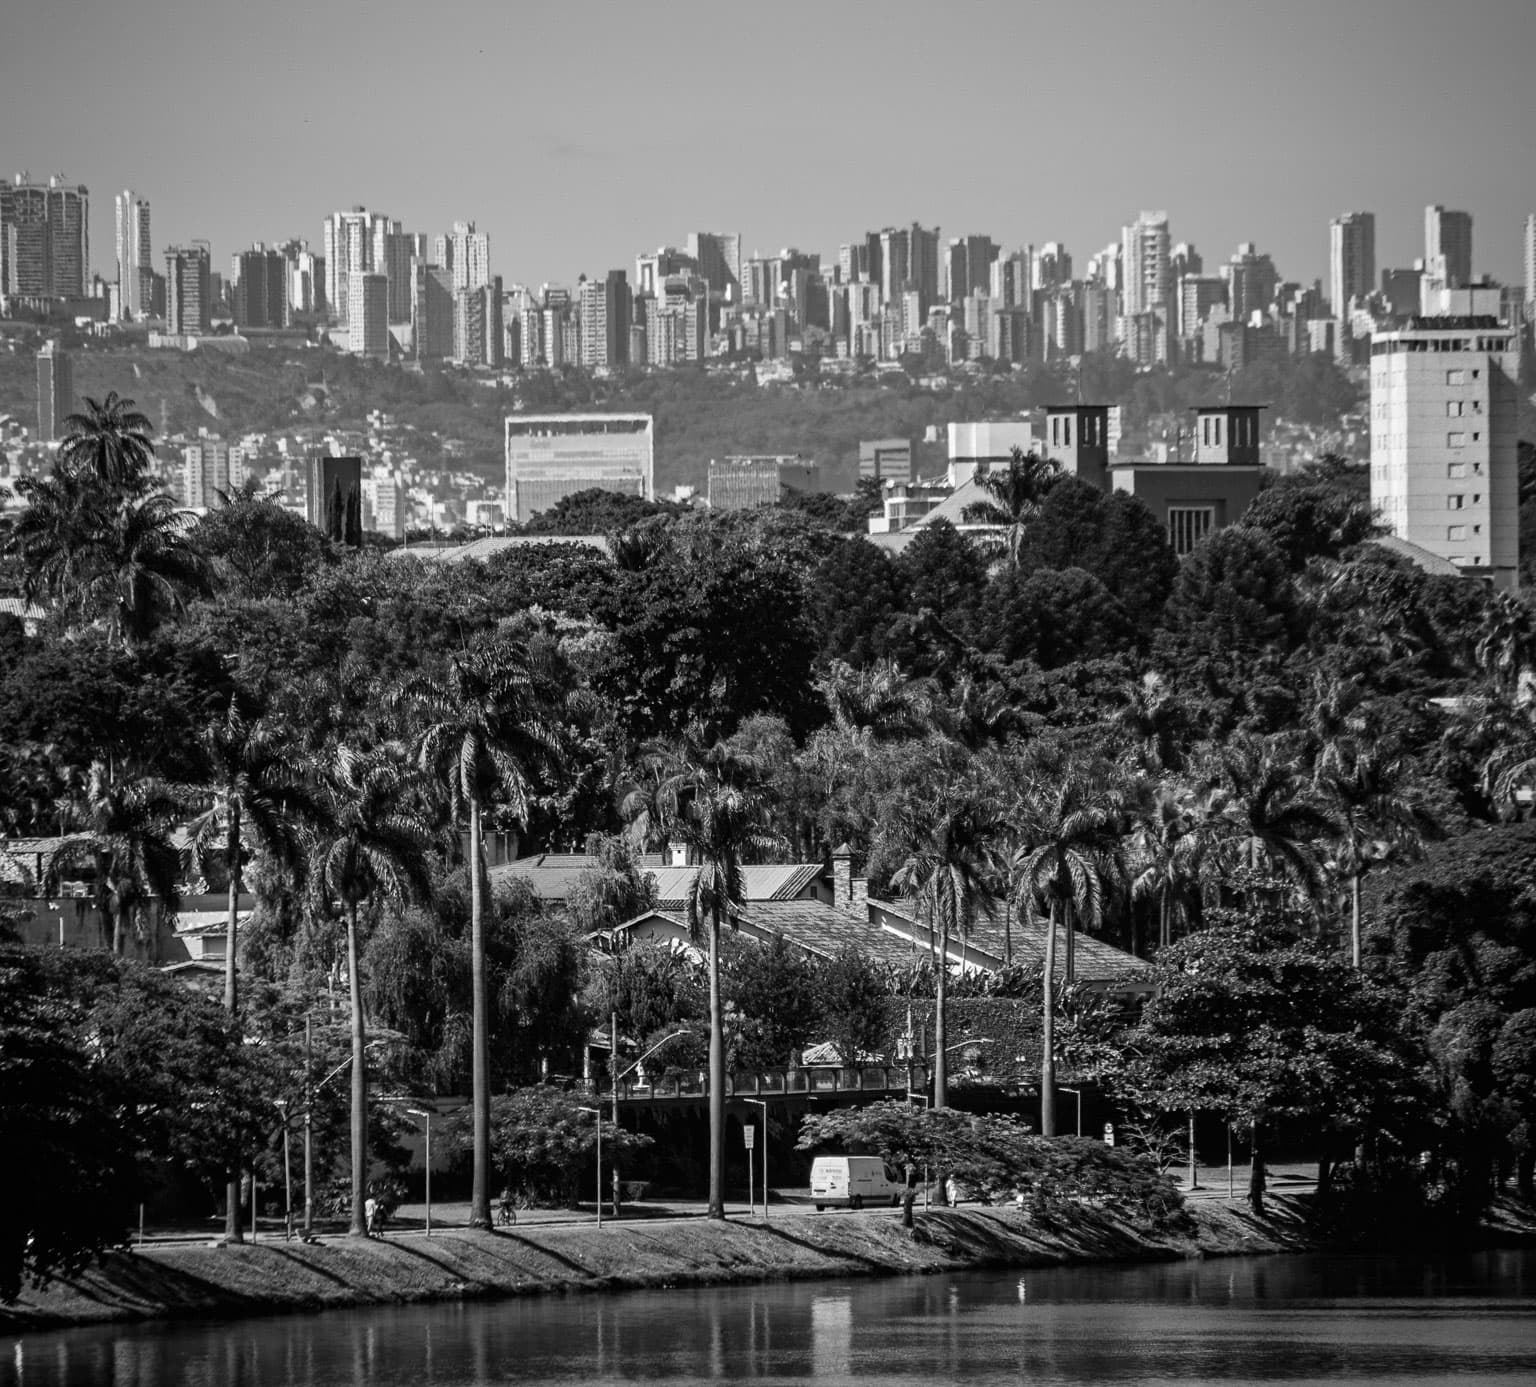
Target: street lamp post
point(761, 1103)
point(426, 1116)
point(598, 1114)
point(282, 1108)
point(1078, 1093)
point(927, 1102)
point(309, 1150)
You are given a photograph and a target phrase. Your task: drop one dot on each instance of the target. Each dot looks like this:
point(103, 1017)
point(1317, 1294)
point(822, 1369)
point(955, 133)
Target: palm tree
point(944, 829)
point(1014, 496)
point(1361, 782)
point(878, 701)
point(1075, 820)
point(1506, 641)
point(146, 566)
point(1151, 720)
point(257, 788)
point(1261, 801)
point(372, 850)
point(52, 538)
point(1166, 858)
point(109, 442)
point(487, 729)
point(702, 791)
point(127, 834)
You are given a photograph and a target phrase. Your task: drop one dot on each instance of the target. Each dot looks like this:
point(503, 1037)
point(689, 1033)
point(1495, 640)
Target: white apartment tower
point(1144, 252)
point(1528, 245)
point(135, 257)
point(1444, 421)
point(1351, 260)
point(1448, 246)
point(355, 243)
point(368, 314)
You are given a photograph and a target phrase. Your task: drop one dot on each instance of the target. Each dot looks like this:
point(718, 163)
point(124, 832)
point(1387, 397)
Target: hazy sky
point(579, 133)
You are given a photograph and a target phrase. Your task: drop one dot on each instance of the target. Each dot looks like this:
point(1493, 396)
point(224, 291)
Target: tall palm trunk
point(232, 1229)
point(716, 1075)
point(1070, 971)
point(359, 1226)
point(941, 1020)
point(480, 1194)
point(1048, 1033)
point(1354, 922)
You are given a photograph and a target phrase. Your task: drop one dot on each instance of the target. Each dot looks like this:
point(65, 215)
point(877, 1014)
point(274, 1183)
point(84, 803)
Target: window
point(1188, 525)
point(1455, 471)
point(1066, 431)
point(1455, 501)
point(1477, 498)
point(1455, 440)
point(1455, 532)
point(1055, 430)
point(1455, 377)
point(1453, 409)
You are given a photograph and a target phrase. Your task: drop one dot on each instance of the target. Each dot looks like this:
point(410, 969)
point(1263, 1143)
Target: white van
point(854, 1181)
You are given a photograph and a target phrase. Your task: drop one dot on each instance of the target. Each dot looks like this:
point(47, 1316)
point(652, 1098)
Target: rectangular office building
point(550, 456)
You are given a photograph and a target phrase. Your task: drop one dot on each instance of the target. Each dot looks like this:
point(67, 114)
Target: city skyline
point(572, 167)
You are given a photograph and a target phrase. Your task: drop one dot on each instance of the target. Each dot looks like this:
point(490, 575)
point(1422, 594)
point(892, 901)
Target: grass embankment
point(275, 1277)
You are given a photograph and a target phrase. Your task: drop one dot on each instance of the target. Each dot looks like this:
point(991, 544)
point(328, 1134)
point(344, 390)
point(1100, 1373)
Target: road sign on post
point(749, 1135)
point(1109, 1134)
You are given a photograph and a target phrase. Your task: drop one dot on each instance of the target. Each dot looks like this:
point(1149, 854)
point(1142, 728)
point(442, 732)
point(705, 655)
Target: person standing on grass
point(371, 1209)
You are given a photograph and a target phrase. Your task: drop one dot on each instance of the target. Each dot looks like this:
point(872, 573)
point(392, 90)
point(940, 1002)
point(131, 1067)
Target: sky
point(578, 134)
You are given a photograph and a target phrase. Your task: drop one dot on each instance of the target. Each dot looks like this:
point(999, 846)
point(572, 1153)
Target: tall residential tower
point(1351, 259)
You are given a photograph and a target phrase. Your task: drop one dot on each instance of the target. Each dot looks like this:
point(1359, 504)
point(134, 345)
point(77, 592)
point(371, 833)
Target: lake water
point(1332, 1320)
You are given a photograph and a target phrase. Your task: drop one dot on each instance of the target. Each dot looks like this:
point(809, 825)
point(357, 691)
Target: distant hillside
point(698, 416)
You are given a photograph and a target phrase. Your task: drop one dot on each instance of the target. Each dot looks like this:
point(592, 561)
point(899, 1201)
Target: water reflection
point(1283, 1320)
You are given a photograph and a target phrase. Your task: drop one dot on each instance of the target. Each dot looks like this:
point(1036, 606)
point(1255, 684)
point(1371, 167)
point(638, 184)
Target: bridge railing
point(782, 1083)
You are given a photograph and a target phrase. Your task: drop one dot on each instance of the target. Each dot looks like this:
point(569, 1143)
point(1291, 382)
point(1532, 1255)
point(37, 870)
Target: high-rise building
point(1144, 248)
point(306, 279)
point(188, 289)
point(1448, 246)
point(1529, 247)
point(604, 308)
point(135, 258)
point(432, 311)
point(400, 249)
point(718, 259)
point(1251, 281)
point(368, 314)
point(550, 456)
point(333, 493)
point(1351, 260)
point(44, 238)
point(207, 469)
point(477, 337)
point(466, 253)
point(1050, 266)
point(743, 483)
point(1444, 431)
point(1198, 294)
point(261, 291)
point(351, 241)
point(55, 392)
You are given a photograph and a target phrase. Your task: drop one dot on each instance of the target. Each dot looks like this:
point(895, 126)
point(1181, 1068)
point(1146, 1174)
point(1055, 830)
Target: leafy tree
point(849, 993)
point(854, 595)
point(485, 728)
point(371, 850)
point(545, 1143)
point(596, 511)
point(1249, 1022)
point(943, 573)
point(113, 1079)
point(259, 549)
point(770, 988)
point(1052, 617)
point(1309, 519)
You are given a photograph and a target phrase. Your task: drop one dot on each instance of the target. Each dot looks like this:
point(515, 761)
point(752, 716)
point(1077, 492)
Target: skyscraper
point(432, 311)
point(466, 253)
point(1445, 425)
point(368, 314)
point(718, 258)
point(44, 238)
point(188, 289)
point(1529, 247)
point(55, 392)
point(1251, 281)
point(1448, 246)
point(1351, 259)
point(351, 239)
point(207, 469)
point(1144, 247)
point(604, 305)
point(135, 257)
point(261, 292)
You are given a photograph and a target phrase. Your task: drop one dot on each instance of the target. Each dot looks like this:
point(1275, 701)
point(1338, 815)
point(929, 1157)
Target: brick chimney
point(842, 877)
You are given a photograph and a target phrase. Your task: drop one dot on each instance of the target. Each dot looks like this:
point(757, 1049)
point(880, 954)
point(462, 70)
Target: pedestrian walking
point(371, 1209)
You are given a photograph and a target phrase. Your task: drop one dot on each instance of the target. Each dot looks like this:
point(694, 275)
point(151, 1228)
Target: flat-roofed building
point(1195, 499)
point(55, 392)
point(985, 444)
point(550, 456)
point(1444, 440)
point(885, 459)
point(740, 483)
